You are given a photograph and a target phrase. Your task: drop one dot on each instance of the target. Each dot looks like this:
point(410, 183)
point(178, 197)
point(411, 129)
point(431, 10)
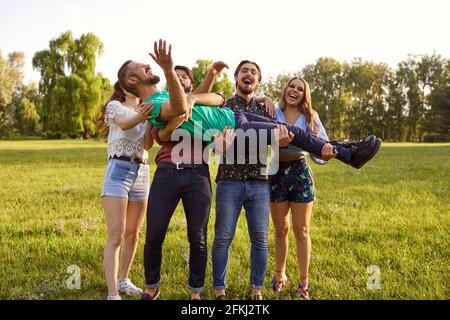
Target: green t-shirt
point(204, 118)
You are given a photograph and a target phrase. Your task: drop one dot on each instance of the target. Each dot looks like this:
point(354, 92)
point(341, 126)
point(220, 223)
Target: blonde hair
point(305, 106)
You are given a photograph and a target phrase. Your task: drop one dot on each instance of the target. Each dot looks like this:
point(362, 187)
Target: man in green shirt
point(138, 79)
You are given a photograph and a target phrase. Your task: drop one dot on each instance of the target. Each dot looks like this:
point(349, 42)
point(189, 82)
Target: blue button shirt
point(293, 151)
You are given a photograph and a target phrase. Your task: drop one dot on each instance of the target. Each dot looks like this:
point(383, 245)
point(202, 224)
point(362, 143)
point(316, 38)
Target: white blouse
point(128, 143)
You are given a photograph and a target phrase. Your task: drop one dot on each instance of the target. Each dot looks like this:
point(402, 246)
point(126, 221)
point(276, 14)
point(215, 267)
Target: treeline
point(353, 99)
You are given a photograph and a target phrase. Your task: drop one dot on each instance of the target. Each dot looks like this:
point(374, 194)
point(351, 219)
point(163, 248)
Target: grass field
point(393, 214)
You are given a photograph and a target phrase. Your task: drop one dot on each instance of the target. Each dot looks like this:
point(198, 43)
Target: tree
point(422, 73)
point(222, 83)
point(368, 84)
point(396, 112)
point(11, 75)
point(437, 119)
point(25, 105)
point(273, 87)
point(330, 97)
point(72, 91)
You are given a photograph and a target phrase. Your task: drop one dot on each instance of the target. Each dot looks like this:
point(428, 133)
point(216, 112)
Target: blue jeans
point(231, 196)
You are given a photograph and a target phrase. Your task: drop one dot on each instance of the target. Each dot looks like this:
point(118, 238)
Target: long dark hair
point(119, 95)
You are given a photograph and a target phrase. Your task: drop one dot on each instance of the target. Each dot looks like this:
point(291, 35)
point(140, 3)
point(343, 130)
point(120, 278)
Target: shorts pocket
point(121, 171)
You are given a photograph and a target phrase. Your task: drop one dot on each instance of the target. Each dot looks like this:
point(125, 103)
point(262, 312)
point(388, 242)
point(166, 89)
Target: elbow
point(148, 145)
point(124, 127)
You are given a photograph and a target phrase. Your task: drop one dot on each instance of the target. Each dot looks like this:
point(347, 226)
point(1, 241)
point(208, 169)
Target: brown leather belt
point(181, 166)
point(130, 159)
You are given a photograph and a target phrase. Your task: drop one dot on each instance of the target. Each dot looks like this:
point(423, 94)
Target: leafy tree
point(368, 86)
point(396, 113)
point(437, 119)
point(273, 87)
point(72, 91)
point(23, 109)
point(330, 97)
point(11, 75)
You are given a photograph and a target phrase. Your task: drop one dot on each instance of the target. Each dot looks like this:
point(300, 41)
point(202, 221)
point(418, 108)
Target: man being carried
point(138, 79)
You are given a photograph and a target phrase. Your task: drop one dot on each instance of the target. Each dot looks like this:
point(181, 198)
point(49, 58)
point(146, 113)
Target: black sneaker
point(364, 151)
point(350, 144)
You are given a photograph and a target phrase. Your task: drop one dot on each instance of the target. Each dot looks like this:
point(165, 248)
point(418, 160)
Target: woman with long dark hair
point(126, 184)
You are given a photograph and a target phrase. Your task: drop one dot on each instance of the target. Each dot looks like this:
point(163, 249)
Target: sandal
point(222, 297)
point(257, 296)
point(278, 284)
point(147, 296)
point(303, 292)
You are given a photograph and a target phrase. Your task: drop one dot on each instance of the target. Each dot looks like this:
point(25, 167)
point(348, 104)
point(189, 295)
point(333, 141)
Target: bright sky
point(280, 35)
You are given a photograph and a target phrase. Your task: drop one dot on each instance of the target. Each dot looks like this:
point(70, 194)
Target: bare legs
point(124, 220)
point(301, 218)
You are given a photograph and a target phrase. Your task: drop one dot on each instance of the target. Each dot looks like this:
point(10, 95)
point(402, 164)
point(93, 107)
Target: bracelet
point(223, 103)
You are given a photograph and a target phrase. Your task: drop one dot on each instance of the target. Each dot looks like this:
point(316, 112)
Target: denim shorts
point(125, 179)
point(293, 182)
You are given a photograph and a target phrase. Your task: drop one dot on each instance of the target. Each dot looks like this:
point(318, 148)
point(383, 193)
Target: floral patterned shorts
point(293, 182)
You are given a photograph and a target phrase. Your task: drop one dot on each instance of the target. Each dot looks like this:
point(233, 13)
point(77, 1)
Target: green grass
point(393, 213)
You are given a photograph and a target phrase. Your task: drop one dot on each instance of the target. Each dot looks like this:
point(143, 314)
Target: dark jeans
point(193, 187)
point(302, 139)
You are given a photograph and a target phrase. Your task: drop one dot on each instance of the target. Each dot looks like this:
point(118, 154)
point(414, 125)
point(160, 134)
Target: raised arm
point(210, 77)
point(178, 103)
point(208, 99)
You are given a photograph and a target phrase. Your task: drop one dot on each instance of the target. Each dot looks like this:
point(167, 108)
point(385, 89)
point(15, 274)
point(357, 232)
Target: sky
point(280, 35)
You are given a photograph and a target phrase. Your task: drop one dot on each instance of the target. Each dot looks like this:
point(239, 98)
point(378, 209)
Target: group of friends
point(138, 114)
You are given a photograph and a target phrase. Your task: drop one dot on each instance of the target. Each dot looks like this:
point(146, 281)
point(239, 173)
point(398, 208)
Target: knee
point(154, 240)
point(282, 232)
point(131, 237)
point(302, 234)
point(222, 241)
point(260, 240)
point(115, 238)
point(197, 241)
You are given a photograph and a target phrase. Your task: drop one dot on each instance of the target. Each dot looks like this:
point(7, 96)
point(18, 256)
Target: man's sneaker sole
point(374, 152)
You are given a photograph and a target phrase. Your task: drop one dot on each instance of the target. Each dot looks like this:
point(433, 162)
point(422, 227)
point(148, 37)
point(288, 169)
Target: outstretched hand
point(218, 66)
point(162, 55)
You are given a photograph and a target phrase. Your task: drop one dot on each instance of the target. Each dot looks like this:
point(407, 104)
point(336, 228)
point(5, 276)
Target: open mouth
point(247, 82)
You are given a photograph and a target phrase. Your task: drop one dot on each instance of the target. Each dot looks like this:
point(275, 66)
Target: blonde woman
point(292, 187)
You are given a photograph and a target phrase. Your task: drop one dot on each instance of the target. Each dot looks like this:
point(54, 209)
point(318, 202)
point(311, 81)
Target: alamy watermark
point(374, 279)
point(248, 147)
point(73, 282)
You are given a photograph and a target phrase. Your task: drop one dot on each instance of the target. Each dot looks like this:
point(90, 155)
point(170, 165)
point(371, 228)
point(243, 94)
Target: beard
point(186, 88)
point(246, 89)
point(150, 81)
point(144, 81)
